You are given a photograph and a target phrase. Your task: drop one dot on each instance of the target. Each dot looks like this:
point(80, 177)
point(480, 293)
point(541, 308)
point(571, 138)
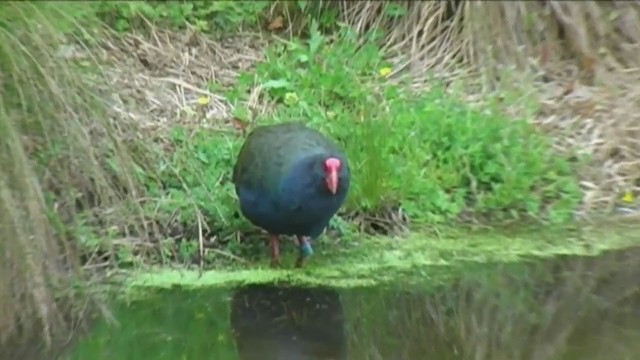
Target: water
point(566, 308)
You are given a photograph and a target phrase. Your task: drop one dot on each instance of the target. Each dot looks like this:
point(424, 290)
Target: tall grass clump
point(60, 157)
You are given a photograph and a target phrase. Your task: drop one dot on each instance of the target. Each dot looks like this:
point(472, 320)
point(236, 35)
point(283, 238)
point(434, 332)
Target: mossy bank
point(418, 257)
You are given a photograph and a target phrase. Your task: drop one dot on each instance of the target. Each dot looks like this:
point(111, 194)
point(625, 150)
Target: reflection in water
point(566, 308)
point(287, 323)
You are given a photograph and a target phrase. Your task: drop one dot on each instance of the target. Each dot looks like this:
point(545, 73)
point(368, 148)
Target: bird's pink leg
point(274, 244)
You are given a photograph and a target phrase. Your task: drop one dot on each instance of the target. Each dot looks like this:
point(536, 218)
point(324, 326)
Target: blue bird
point(290, 180)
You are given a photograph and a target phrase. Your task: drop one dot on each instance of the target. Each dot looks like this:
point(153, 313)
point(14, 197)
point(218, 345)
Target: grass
point(217, 17)
point(213, 16)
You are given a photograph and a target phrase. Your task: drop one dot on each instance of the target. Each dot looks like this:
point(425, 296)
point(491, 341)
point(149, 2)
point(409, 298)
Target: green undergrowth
point(215, 17)
point(426, 157)
point(418, 257)
point(207, 16)
point(427, 154)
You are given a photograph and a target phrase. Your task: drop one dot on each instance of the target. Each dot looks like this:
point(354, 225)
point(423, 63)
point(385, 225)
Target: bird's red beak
point(332, 166)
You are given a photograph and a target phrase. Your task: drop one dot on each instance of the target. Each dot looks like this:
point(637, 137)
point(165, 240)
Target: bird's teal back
point(270, 151)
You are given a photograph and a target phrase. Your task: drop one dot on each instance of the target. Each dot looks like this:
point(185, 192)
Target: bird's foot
point(305, 250)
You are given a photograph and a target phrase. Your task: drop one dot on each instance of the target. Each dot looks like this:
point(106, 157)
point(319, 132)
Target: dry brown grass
point(580, 61)
point(159, 76)
point(56, 139)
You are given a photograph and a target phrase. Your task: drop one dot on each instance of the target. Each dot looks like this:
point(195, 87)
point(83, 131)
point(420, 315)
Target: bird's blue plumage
point(298, 207)
point(279, 180)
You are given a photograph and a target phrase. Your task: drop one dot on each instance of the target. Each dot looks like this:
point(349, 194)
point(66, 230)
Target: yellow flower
point(203, 100)
point(628, 197)
point(290, 98)
point(385, 71)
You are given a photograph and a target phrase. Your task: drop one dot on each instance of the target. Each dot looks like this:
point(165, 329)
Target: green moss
point(380, 260)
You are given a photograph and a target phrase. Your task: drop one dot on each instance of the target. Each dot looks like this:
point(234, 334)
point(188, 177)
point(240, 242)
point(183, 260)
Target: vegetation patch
point(424, 157)
point(208, 16)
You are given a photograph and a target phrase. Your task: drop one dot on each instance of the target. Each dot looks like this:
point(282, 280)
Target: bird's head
point(332, 167)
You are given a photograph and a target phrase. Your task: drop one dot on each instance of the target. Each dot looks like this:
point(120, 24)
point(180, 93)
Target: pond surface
point(562, 308)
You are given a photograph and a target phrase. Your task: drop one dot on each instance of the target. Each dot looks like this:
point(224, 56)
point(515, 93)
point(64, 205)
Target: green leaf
point(277, 84)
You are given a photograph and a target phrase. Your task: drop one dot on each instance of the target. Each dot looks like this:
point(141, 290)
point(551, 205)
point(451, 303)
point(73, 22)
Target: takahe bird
point(290, 180)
